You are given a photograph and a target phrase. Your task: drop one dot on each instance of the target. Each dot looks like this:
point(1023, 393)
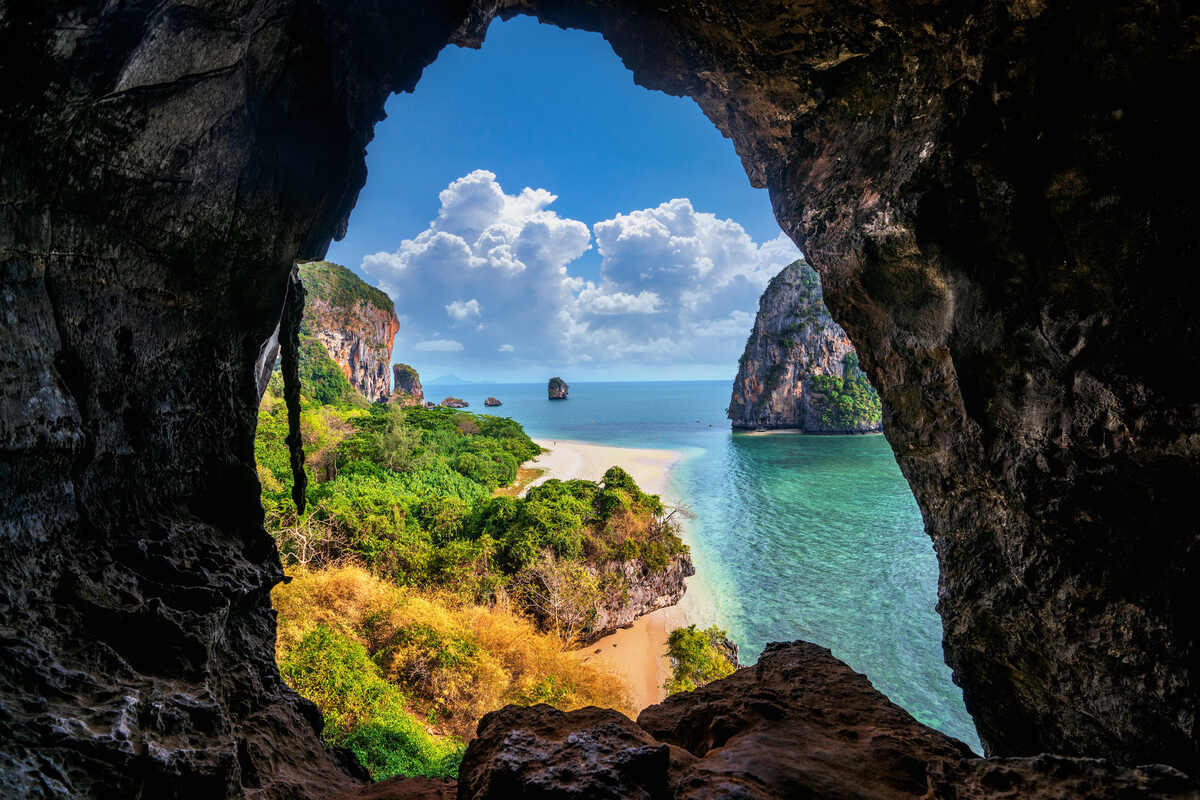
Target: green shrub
point(321, 379)
point(695, 658)
point(849, 402)
point(364, 712)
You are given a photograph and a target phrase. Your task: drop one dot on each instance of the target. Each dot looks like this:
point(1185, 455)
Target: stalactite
point(289, 336)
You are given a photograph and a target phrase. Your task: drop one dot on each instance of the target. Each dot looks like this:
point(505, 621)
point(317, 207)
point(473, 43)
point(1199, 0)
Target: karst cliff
point(355, 322)
point(998, 196)
point(406, 385)
point(799, 369)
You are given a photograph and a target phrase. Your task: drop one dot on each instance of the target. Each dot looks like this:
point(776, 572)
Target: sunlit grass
point(525, 476)
point(403, 676)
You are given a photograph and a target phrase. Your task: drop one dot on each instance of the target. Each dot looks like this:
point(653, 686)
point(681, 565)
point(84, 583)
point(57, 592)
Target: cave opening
point(580, 221)
point(981, 189)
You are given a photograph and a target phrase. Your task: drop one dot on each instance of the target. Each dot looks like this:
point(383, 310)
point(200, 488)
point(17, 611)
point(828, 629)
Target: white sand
point(569, 459)
point(637, 654)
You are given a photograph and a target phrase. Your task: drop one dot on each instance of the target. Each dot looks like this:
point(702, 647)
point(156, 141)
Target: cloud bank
point(489, 284)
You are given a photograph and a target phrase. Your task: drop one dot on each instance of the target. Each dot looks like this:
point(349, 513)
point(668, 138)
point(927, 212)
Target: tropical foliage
point(849, 402)
point(402, 676)
point(422, 595)
point(697, 658)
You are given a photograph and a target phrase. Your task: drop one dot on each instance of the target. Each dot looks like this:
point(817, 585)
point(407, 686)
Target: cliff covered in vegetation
point(799, 369)
point(355, 322)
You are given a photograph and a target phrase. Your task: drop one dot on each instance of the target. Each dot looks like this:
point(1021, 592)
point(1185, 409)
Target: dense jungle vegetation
point(420, 596)
point(851, 401)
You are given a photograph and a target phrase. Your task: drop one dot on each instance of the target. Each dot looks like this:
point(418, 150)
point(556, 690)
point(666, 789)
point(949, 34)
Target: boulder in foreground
point(800, 723)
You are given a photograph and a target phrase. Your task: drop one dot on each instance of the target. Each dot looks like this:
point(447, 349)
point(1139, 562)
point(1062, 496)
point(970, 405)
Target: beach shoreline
point(638, 653)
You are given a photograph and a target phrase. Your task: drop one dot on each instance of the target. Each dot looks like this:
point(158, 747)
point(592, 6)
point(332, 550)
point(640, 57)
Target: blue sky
point(532, 211)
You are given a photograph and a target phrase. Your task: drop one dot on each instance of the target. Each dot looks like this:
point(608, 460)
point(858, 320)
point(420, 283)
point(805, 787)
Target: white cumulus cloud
point(460, 311)
point(675, 285)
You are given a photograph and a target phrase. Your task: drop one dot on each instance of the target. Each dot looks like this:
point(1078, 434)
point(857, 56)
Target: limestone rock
point(491, 401)
point(799, 723)
point(729, 649)
point(999, 197)
point(541, 753)
point(557, 389)
point(455, 402)
point(798, 362)
point(646, 590)
point(406, 385)
point(356, 322)
point(405, 789)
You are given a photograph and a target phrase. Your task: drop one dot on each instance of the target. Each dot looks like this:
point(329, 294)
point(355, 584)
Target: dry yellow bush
point(455, 662)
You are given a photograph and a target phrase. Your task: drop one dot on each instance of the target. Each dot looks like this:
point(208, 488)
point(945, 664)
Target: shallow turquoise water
point(798, 537)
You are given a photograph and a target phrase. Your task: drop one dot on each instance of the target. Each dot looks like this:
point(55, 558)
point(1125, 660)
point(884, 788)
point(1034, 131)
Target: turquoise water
point(796, 537)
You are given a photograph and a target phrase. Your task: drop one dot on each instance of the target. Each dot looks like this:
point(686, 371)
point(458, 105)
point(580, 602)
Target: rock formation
point(557, 389)
point(455, 402)
point(798, 724)
point(406, 386)
point(999, 197)
point(356, 322)
point(645, 590)
point(799, 363)
point(491, 401)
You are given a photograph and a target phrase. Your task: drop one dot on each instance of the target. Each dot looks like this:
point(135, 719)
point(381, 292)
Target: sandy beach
point(569, 459)
point(638, 654)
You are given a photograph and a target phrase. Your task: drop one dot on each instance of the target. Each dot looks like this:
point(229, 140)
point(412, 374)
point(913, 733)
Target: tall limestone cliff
point(799, 369)
point(355, 322)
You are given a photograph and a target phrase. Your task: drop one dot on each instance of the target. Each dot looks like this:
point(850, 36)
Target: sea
point(794, 537)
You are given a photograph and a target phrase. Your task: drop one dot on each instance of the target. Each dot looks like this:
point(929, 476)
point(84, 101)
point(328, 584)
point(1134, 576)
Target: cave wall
point(997, 196)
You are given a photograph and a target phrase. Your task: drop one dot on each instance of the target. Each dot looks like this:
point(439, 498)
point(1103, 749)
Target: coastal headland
point(637, 654)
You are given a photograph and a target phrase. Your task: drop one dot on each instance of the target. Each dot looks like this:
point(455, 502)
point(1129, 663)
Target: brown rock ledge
point(798, 724)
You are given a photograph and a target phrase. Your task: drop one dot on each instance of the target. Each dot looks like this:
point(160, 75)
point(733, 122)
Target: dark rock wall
point(799, 724)
point(793, 339)
point(998, 196)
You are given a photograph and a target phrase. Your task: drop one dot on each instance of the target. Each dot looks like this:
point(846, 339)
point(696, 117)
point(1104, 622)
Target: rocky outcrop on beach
point(356, 322)
point(799, 369)
point(455, 402)
point(639, 590)
point(492, 402)
point(557, 389)
point(729, 650)
point(406, 386)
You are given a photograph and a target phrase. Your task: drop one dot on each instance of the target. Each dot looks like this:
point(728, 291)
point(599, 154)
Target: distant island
point(799, 369)
point(557, 389)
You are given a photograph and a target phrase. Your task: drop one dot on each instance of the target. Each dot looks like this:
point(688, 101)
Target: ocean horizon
point(812, 537)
